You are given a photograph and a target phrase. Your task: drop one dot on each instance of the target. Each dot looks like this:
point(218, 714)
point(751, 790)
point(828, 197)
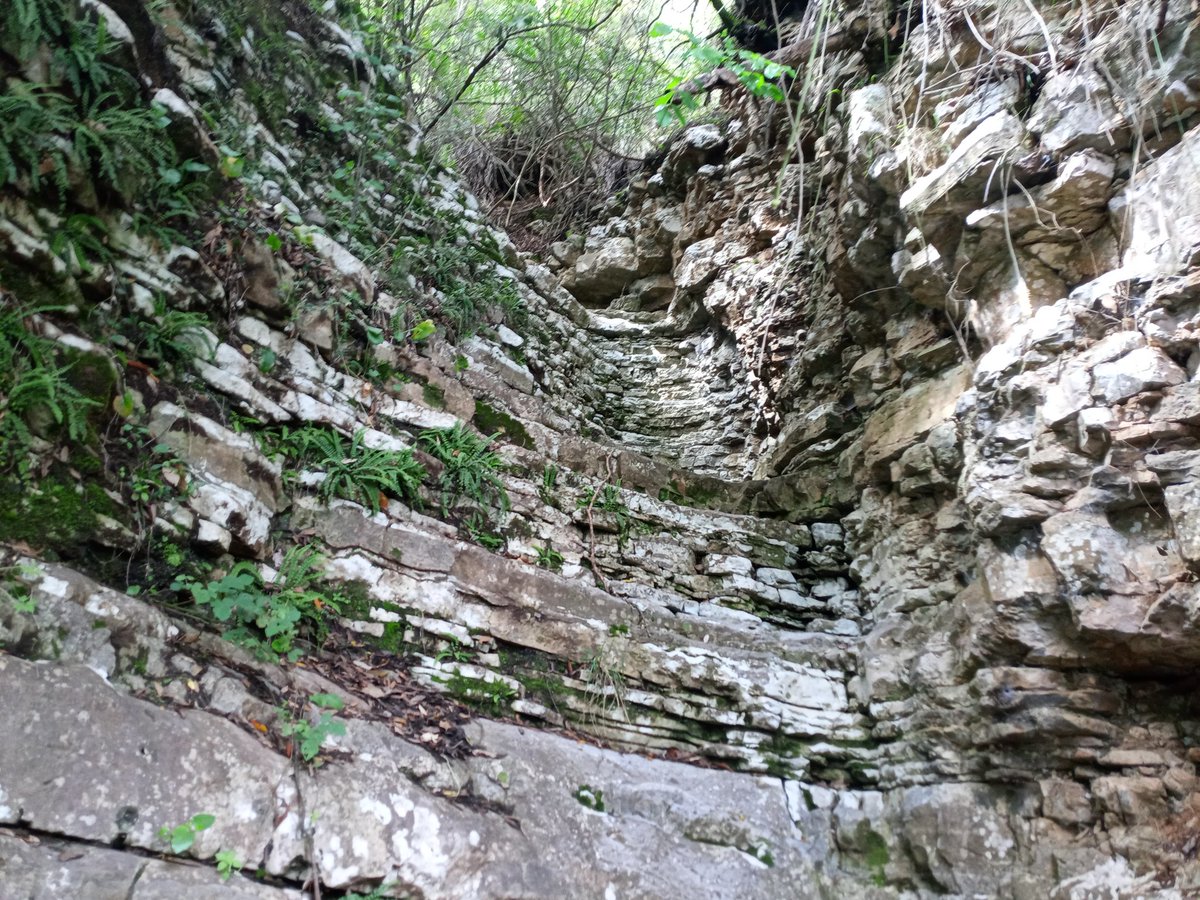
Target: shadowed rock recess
point(849, 536)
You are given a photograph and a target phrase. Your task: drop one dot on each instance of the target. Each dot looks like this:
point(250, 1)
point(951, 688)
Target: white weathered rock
point(1143, 369)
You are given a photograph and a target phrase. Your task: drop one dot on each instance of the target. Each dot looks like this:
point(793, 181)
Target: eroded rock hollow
point(839, 535)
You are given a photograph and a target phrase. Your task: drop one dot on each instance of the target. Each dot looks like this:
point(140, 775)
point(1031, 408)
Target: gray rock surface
point(851, 550)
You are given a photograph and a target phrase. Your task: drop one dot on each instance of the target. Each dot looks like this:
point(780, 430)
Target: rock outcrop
point(849, 537)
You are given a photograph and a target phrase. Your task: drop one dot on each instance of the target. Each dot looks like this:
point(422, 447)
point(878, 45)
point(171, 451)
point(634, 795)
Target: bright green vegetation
point(533, 103)
point(181, 838)
point(228, 862)
point(757, 74)
point(763, 854)
point(379, 893)
point(310, 736)
point(150, 471)
point(268, 618)
point(56, 511)
point(454, 651)
point(491, 697)
point(877, 857)
point(549, 485)
point(171, 336)
point(86, 132)
point(463, 273)
point(352, 469)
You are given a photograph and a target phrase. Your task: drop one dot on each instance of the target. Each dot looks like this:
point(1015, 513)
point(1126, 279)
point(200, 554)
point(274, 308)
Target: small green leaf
point(266, 361)
point(423, 329)
point(123, 404)
point(274, 242)
point(327, 701)
point(232, 166)
point(660, 29)
point(375, 336)
point(182, 838)
point(201, 821)
point(710, 57)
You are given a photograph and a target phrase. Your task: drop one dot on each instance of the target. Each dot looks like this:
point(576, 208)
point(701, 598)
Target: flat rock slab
point(47, 869)
point(82, 759)
point(560, 818)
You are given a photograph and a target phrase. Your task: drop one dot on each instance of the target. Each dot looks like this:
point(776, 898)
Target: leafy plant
point(608, 500)
point(535, 103)
point(493, 695)
point(175, 335)
point(455, 651)
point(267, 617)
point(479, 530)
point(592, 798)
point(310, 736)
point(462, 276)
point(379, 893)
point(228, 862)
point(469, 467)
point(81, 62)
point(152, 471)
point(31, 118)
point(82, 239)
point(759, 75)
point(88, 128)
point(354, 470)
point(16, 594)
point(34, 22)
point(181, 838)
point(670, 494)
point(36, 393)
point(548, 558)
point(549, 483)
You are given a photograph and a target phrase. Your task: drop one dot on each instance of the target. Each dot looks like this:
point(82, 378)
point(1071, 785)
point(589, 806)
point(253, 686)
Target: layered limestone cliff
point(850, 538)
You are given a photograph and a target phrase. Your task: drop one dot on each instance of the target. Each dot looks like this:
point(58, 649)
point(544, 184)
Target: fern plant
point(34, 386)
point(173, 335)
point(33, 119)
point(119, 142)
point(469, 467)
point(82, 240)
point(81, 62)
point(32, 23)
point(355, 471)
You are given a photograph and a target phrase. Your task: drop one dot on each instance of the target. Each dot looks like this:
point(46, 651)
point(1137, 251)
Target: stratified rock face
point(853, 534)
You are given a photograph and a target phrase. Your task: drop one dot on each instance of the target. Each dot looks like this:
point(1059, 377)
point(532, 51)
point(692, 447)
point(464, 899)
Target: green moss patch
point(55, 513)
point(490, 420)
